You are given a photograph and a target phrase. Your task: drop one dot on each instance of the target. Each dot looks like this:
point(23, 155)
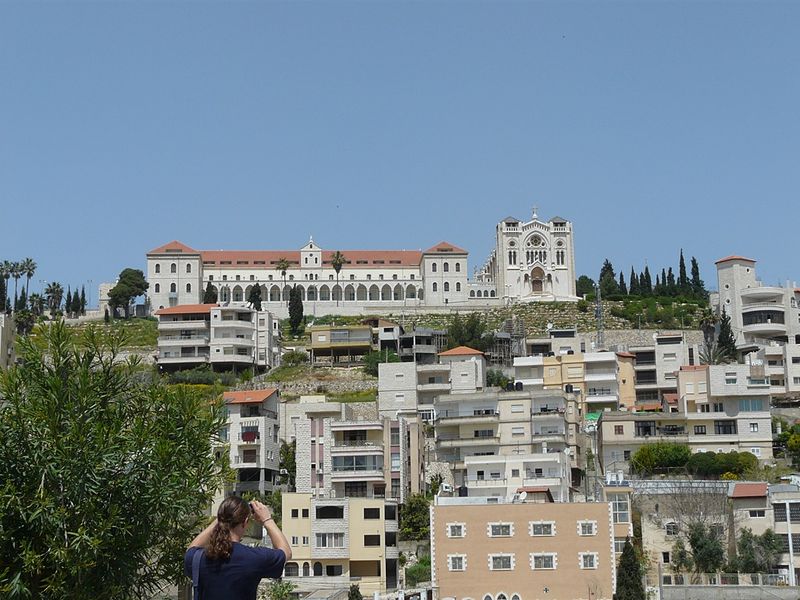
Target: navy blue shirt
point(238, 577)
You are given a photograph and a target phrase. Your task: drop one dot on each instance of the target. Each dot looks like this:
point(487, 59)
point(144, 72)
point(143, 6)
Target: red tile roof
point(174, 247)
point(749, 490)
point(445, 247)
point(268, 259)
point(461, 351)
point(733, 257)
point(671, 398)
point(248, 396)
point(186, 309)
point(626, 354)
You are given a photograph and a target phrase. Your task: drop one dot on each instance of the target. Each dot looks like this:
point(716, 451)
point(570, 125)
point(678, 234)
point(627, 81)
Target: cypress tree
point(295, 309)
point(210, 295)
point(726, 341)
point(76, 304)
point(672, 288)
point(68, 302)
point(657, 289)
point(83, 301)
point(664, 288)
point(646, 283)
point(629, 575)
point(698, 287)
point(634, 284)
point(683, 281)
point(623, 289)
point(255, 297)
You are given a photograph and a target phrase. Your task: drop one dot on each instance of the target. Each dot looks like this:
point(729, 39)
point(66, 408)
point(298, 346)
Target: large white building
point(531, 261)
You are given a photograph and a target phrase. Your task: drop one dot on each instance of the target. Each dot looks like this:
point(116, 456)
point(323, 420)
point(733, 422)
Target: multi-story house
point(339, 344)
point(346, 455)
point(497, 441)
point(720, 408)
point(7, 335)
point(337, 542)
point(656, 366)
point(252, 435)
point(784, 500)
point(594, 376)
point(422, 345)
point(492, 549)
point(225, 337)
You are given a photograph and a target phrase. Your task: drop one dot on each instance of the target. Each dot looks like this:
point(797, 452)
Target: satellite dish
point(522, 496)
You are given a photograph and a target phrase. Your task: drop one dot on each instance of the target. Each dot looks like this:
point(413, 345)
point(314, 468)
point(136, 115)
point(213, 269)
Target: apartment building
point(224, 337)
point(720, 408)
point(7, 336)
point(490, 549)
point(595, 377)
point(497, 441)
point(337, 542)
point(784, 500)
point(422, 345)
point(339, 344)
point(365, 455)
point(656, 366)
point(252, 434)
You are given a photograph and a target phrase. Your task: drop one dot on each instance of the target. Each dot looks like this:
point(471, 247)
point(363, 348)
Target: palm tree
point(54, 293)
point(708, 324)
point(28, 268)
point(36, 303)
point(337, 261)
point(282, 265)
point(16, 273)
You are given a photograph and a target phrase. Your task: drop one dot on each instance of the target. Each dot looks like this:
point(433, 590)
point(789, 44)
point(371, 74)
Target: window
point(456, 562)
point(158, 288)
point(703, 408)
point(435, 287)
point(456, 530)
point(587, 528)
point(699, 429)
point(619, 545)
point(446, 286)
point(517, 431)
point(538, 528)
point(372, 540)
point(458, 287)
point(620, 507)
point(188, 268)
point(291, 570)
point(671, 529)
point(501, 529)
point(305, 513)
point(618, 429)
point(759, 514)
point(458, 267)
point(188, 287)
point(158, 268)
point(333, 570)
point(330, 540)
point(753, 427)
point(372, 513)
point(730, 378)
point(305, 540)
point(173, 268)
point(542, 562)
point(665, 558)
point(751, 405)
point(446, 267)
point(173, 288)
point(433, 268)
point(587, 560)
point(501, 562)
point(517, 408)
point(719, 407)
point(295, 513)
point(725, 427)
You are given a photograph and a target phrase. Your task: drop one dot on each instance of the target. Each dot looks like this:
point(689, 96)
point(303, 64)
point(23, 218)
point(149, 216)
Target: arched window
point(446, 286)
point(492, 294)
point(158, 268)
point(446, 267)
point(188, 267)
point(173, 288)
point(433, 267)
point(502, 596)
point(306, 569)
point(173, 268)
point(290, 569)
point(488, 597)
point(188, 287)
point(317, 569)
point(458, 267)
point(158, 288)
point(472, 293)
point(458, 287)
point(434, 286)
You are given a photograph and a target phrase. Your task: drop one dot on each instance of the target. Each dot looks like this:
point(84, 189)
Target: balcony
point(486, 483)
point(358, 475)
point(244, 461)
point(173, 325)
point(242, 359)
point(356, 447)
point(530, 381)
point(449, 417)
point(182, 360)
point(765, 328)
point(246, 342)
point(188, 340)
point(356, 425)
point(762, 293)
point(601, 399)
point(756, 306)
point(437, 368)
point(454, 441)
point(603, 376)
point(433, 387)
point(596, 357)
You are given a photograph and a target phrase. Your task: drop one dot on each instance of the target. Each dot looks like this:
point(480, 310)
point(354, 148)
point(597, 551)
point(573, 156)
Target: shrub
point(419, 572)
point(294, 358)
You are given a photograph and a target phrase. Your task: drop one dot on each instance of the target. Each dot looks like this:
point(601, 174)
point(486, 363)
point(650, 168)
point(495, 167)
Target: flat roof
point(186, 309)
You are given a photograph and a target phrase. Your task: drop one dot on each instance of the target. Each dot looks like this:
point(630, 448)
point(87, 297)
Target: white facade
point(532, 261)
point(7, 336)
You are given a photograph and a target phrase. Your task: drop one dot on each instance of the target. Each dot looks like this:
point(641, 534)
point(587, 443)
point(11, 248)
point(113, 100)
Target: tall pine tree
point(68, 302)
point(210, 295)
point(623, 289)
point(83, 301)
point(634, 284)
point(76, 304)
point(672, 288)
point(608, 280)
point(645, 283)
point(683, 281)
point(629, 575)
point(697, 285)
point(726, 341)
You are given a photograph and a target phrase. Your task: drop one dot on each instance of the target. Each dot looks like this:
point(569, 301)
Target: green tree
point(131, 284)
point(697, 285)
point(36, 302)
point(283, 265)
point(28, 268)
point(68, 302)
point(708, 551)
point(295, 310)
point(469, 332)
point(757, 553)
point(496, 378)
point(373, 359)
point(608, 280)
point(255, 297)
point(104, 473)
point(5, 273)
point(337, 262)
point(415, 518)
point(584, 286)
point(278, 589)
point(76, 304)
point(725, 338)
point(681, 559)
point(294, 358)
point(708, 325)
point(672, 286)
point(83, 301)
point(629, 575)
point(660, 456)
point(54, 293)
point(16, 273)
point(210, 295)
point(288, 463)
point(419, 572)
point(354, 593)
point(24, 321)
point(633, 284)
point(623, 289)
point(106, 316)
point(646, 283)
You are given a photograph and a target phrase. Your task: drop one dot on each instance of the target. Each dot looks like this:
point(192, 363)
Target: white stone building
point(7, 336)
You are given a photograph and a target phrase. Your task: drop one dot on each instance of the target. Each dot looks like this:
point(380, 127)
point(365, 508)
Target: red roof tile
point(248, 396)
point(186, 309)
point(174, 247)
point(268, 259)
point(445, 247)
point(461, 351)
point(749, 490)
point(626, 354)
point(733, 257)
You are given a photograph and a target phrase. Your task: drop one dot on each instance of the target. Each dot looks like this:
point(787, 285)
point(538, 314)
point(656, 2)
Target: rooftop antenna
point(598, 314)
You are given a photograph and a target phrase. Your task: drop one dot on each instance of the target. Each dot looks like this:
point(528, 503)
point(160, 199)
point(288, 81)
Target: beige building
point(7, 338)
point(522, 550)
point(595, 377)
point(224, 337)
point(339, 344)
point(341, 541)
point(656, 366)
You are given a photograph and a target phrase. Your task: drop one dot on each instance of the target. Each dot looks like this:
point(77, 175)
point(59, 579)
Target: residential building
point(224, 337)
point(532, 261)
point(594, 376)
point(337, 542)
point(7, 337)
point(656, 366)
point(252, 435)
point(784, 500)
point(491, 549)
point(357, 455)
point(497, 441)
point(339, 344)
point(422, 345)
point(720, 408)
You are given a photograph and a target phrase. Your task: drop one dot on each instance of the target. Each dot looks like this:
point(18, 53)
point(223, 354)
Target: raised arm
point(204, 536)
point(264, 516)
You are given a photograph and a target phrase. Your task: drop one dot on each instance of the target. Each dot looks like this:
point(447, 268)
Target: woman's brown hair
point(232, 512)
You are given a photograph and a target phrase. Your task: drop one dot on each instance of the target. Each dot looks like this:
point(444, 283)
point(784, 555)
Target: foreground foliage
point(103, 471)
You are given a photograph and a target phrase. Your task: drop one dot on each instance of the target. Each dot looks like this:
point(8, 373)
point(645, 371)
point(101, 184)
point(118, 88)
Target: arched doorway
point(537, 280)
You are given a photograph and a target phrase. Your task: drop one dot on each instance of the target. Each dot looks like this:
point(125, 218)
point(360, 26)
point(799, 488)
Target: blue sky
point(251, 125)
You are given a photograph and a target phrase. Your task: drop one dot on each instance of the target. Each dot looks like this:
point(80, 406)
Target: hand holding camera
point(261, 512)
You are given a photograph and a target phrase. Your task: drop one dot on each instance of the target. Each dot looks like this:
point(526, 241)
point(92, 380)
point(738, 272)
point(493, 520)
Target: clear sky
point(393, 125)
